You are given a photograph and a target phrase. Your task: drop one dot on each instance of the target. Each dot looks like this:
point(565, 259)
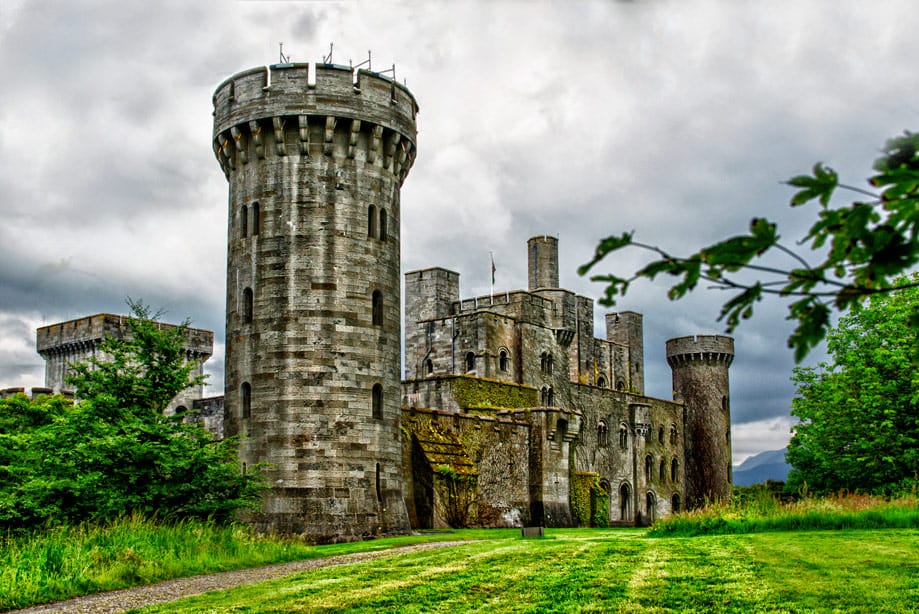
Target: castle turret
point(700, 380)
point(313, 293)
point(625, 328)
point(429, 296)
point(542, 262)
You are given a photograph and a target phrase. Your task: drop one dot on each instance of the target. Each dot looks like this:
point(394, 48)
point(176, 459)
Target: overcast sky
point(676, 119)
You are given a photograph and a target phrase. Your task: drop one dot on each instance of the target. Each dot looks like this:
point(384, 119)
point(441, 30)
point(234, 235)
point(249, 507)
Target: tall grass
point(64, 562)
point(760, 511)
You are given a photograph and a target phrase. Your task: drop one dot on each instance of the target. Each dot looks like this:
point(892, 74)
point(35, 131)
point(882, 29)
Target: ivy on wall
point(471, 392)
point(589, 502)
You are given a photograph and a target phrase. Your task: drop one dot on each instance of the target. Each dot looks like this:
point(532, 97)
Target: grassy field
point(608, 570)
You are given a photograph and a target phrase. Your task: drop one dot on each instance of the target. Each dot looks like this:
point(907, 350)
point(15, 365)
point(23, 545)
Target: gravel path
point(170, 590)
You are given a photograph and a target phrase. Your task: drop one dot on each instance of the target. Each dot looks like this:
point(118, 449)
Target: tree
point(114, 452)
point(864, 244)
point(859, 414)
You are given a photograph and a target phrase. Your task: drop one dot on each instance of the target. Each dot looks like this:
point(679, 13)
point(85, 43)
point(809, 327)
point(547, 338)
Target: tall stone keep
point(314, 166)
point(542, 262)
point(700, 379)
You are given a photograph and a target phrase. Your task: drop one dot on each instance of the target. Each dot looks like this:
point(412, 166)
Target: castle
point(511, 412)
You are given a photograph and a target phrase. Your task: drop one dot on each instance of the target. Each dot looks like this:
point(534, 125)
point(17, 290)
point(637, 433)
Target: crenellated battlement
point(280, 111)
point(707, 349)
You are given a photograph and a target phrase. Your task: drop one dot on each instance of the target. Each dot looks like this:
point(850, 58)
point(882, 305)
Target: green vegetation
point(113, 453)
point(67, 561)
point(762, 512)
point(863, 245)
point(606, 570)
point(589, 502)
point(471, 392)
point(859, 413)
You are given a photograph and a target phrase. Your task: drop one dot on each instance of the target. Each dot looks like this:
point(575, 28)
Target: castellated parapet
point(700, 380)
point(313, 291)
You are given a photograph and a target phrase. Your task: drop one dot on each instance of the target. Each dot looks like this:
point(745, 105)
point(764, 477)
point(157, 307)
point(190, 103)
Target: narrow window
point(429, 366)
point(502, 360)
point(660, 435)
point(601, 382)
point(256, 218)
point(620, 385)
point(247, 306)
point(673, 434)
point(602, 434)
point(377, 401)
point(542, 362)
point(377, 308)
point(550, 397)
point(675, 503)
point(650, 507)
point(549, 364)
point(243, 222)
point(623, 437)
point(649, 463)
point(371, 221)
point(625, 502)
point(662, 470)
point(561, 429)
point(674, 470)
point(382, 224)
point(379, 486)
point(245, 399)
point(470, 361)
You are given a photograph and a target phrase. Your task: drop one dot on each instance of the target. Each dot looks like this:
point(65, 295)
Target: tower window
point(256, 217)
point(673, 434)
point(243, 222)
point(660, 435)
point(371, 221)
point(429, 366)
point(245, 400)
point(623, 437)
point(601, 382)
point(470, 361)
point(550, 397)
point(247, 306)
point(549, 364)
point(503, 360)
point(382, 224)
point(662, 470)
point(649, 464)
point(376, 308)
point(377, 401)
point(674, 470)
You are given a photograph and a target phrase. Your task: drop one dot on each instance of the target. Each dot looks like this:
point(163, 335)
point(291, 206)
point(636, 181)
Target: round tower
point(313, 295)
point(542, 262)
point(700, 379)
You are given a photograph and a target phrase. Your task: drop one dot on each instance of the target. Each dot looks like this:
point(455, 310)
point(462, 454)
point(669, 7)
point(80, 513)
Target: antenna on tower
point(367, 62)
point(283, 59)
point(327, 59)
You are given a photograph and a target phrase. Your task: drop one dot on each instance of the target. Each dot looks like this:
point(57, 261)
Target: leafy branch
point(865, 244)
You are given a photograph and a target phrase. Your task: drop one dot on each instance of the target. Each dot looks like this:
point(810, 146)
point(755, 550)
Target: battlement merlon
point(285, 90)
point(700, 348)
point(86, 332)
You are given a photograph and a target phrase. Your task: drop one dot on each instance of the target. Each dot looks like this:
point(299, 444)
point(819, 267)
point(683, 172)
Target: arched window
point(602, 434)
point(675, 503)
point(674, 470)
point(662, 470)
point(243, 222)
point(620, 385)
point(371, 221)
point(623, 436)
point(542, 362)
point(649, 464)
point(625, 502)
point(601, 382)
point(550, 397)
point(245, 400)
point(470, 361)
point(382, 224)
point(429, 366)
point(660, 435)
point(550, 363)
point(256, 218)
point(503, 361)
point(650, 504)
point(247, 306)
point(376, 308)
point(673, 434)
point(377, 401)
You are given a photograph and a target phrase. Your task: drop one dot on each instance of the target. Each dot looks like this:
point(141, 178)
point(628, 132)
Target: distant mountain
point(769, 465)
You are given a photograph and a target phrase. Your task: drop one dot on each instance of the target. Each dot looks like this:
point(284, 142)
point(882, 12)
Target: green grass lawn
point(615, 570)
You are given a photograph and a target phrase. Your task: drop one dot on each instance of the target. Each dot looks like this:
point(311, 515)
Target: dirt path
point(170, 590)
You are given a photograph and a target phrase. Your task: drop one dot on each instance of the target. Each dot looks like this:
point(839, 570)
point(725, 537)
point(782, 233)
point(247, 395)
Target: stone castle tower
point(700, 379)
point(314, 168)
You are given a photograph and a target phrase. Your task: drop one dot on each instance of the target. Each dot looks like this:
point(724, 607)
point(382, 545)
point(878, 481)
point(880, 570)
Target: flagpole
point(492, 255)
